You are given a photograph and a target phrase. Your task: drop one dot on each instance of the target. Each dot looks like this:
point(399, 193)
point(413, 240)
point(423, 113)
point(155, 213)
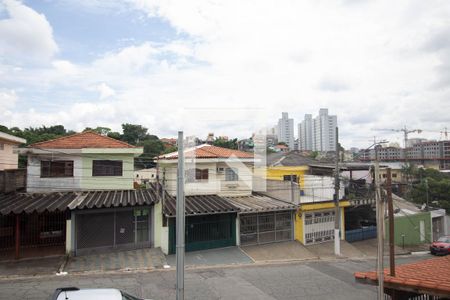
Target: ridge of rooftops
point(206, 151)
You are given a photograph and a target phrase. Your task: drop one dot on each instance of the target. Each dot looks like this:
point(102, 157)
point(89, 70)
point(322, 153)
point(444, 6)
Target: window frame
point(234, 176)
point(197, 175)
point(104, 172)
point(52, 166)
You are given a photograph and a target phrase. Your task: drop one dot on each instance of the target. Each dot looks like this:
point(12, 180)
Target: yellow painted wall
point(277, 173)
point(318, 207)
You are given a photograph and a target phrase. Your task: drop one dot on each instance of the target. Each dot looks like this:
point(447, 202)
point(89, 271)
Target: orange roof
point(431, 276)
point(87, 139)
point(209, 151)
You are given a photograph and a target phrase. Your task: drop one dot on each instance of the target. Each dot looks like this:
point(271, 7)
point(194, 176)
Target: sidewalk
point(221, 256)
point(283, 251)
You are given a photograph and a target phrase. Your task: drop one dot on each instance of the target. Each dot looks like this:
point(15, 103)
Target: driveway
point(282, 251)
point(31, 267)
point(147, 258)
point(221, 256)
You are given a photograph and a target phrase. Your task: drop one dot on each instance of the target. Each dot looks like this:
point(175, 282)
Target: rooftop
point(12, 138)
point(289, 159)
point(429, 276)
point(209, 151)
point(87, 139)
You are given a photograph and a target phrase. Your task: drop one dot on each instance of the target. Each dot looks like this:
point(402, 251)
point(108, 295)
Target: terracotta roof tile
point(431, 275)
point(209, 151)
point(87, 139)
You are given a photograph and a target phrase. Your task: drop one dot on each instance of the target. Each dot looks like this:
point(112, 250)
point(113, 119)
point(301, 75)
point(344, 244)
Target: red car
point(441, 246)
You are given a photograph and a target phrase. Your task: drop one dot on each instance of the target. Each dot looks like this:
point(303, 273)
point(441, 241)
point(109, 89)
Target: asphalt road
point(300, 280)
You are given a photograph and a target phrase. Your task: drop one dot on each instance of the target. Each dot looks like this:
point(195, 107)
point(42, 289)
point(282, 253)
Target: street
point(331, 279)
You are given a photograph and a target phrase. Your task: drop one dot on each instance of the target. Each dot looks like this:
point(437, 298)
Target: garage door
point(261, 228)
point(319, 226)
point(205, 232)
point(119, 229)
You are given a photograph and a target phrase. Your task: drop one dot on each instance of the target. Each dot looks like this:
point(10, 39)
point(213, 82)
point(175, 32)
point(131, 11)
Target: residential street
point(301, 280)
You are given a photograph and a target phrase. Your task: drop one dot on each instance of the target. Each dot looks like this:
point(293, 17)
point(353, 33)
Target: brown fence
point(13, 180)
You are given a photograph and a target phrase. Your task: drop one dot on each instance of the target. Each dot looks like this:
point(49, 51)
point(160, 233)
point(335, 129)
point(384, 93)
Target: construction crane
point(405, 131)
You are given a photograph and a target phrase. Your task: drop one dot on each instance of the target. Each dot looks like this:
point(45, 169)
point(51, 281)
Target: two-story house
point(8, 151)
point(221, 207)
point(80, 198)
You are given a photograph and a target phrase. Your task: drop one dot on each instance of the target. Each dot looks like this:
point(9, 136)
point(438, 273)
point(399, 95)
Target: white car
point(74, 293)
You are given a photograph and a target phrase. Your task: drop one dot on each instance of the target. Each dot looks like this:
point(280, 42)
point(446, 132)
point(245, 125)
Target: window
point(106, 168)
point(394, 175)
point(58, 168)
point(288, 178)
point(2, 146)
point(231, 174)
point(197, 174)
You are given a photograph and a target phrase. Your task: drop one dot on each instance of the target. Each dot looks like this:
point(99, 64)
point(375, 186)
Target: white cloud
point(374, 64)
point(25, 35)
point(105, 91)
point(8, 99)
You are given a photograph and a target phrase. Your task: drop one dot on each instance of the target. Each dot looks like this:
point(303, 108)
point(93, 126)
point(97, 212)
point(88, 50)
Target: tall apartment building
point(286, 130)
point(318, 134)
point(305, 133)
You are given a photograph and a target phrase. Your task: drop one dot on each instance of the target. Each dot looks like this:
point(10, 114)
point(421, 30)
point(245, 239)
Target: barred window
point(107, 168)
point(193, 175)
point(231, 174)
point(58, 168)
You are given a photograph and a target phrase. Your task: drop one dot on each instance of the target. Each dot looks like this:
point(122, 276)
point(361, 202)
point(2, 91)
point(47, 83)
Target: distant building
point(286, 130)
point(318, 134)
point(305, 133)
point(210, 138)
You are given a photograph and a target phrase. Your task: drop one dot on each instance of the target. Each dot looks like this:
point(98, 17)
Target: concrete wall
point(410, 227)
point(124, 182)
point(215, 184)
point(8, 159)
point(165, 239)
point(37, 184)
point(157, 224)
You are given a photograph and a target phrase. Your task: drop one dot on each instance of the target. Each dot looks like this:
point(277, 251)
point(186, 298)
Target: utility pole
point(380, 227)
point(180, 218)
point(391, 221)
point(427, 190)
point(292, 188)
point(337, 214)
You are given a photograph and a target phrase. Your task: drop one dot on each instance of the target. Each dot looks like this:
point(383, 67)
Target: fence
point(12, 180)
point(361, 234)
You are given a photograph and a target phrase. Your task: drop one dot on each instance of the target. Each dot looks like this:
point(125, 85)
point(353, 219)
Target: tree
point(230, 144)
point(314, 154)
point(99, 130)
point(133, 134)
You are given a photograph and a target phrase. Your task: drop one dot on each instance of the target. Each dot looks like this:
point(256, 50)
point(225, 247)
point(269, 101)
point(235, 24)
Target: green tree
point(230, 144)
point(133, 134)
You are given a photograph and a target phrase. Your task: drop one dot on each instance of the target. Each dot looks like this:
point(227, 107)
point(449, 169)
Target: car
point(74, 293)
point(441, 246)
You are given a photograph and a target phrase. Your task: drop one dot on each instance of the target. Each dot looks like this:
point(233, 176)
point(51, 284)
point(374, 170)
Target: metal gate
point(31, 235)
point(261, 228)
point(319, 226)
point(113, 229)
point(205, 232)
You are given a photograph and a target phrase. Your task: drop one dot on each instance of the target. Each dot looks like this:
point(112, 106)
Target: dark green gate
point(205, 232)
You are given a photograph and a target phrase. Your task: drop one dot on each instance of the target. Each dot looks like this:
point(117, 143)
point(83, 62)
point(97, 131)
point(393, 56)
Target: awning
point(200, 205)
point(259, 203)
point(17, 203)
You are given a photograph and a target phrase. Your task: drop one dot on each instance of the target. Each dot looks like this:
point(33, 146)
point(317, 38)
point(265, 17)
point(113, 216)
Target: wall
point(215, 184)
point(36, 184)
point(8, 159)
point(282, 190)
point(124, 182)
point(319, 188)
point(157, 224)
point(409, 226)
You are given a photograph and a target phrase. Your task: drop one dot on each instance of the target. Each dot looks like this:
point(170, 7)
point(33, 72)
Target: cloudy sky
point(226, 66)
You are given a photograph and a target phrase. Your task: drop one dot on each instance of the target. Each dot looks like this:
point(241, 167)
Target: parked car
point(441, 246)
point(74, 293)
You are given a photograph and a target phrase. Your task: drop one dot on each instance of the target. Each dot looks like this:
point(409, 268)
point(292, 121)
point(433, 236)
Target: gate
point(205, 232)
point(262, 228)
point(319, 227)
point(361, 234)
point(126, 228)
point(31, 235)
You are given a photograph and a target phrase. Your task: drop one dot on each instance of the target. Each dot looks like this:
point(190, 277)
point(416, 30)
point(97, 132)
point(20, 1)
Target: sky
point(228, 67)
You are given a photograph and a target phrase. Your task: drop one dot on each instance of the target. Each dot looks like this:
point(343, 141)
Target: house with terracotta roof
point(80, 199)
point(222, 208)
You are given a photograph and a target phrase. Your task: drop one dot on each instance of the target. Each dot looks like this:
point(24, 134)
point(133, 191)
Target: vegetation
point(230, 143)
point(430, 182)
